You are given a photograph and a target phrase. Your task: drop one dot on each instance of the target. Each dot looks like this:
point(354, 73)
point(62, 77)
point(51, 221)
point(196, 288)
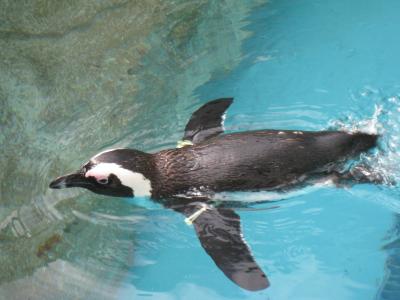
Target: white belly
point(264, 196)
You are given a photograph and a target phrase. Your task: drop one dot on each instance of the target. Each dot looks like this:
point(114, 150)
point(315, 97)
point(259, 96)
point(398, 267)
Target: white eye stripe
point(140, 185)
point(105, 151)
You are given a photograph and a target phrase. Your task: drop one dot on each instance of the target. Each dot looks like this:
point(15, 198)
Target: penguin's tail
point(362, 171)
point(364, 141)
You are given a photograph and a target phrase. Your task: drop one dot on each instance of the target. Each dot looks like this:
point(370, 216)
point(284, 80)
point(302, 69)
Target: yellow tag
point(184, 143)
point(189, 220)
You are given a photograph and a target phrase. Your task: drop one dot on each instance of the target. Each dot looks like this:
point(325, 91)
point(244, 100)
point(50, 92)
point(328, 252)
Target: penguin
point(208, 161)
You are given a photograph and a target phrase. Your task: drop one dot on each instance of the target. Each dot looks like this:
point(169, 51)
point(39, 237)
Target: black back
point(266, 159)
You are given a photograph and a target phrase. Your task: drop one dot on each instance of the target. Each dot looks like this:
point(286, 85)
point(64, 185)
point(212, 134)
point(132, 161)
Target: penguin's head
point(117, 172)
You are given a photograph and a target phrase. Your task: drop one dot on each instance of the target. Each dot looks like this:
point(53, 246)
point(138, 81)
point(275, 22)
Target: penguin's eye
point(103, 181)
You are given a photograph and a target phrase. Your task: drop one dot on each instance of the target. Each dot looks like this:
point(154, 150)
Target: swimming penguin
point(208, 162)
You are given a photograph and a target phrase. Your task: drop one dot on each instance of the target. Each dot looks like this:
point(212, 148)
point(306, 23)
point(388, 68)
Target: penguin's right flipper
point(219, 232)
point(207, 121)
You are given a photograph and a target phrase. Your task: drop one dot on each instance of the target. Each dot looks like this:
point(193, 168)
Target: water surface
point(80, 78)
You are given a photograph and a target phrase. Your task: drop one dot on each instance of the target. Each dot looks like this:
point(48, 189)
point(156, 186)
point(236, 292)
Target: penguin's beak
point(70, 180)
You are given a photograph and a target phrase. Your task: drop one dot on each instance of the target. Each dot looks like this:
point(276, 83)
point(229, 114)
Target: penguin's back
point(254, 160)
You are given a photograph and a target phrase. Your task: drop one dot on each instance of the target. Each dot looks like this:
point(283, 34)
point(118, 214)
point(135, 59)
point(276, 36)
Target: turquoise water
point(307, 65)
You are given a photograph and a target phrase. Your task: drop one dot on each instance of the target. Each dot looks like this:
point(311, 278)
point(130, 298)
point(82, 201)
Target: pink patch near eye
point(96, 174)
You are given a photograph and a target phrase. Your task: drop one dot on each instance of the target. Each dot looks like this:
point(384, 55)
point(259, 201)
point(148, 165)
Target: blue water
point(309, 65)
point(85, 76)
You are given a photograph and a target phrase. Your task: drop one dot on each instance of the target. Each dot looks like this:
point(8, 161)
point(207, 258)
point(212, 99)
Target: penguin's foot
point(360, 174)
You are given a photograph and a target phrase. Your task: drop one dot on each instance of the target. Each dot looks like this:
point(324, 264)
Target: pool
point(308, 65)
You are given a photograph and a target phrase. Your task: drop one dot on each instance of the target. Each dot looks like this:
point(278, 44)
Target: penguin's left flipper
point(219, 232)
point(207, 121)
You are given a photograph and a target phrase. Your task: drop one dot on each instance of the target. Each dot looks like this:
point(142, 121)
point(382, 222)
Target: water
point(76, 87)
